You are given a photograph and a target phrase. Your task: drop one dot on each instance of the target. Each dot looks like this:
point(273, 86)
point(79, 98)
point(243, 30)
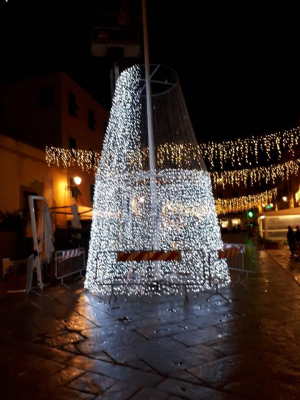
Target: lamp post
point(153, 193)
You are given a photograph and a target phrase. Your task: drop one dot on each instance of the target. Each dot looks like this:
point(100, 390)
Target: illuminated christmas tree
point(173, 211)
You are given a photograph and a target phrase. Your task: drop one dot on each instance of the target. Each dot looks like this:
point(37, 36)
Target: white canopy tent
point(42, 235)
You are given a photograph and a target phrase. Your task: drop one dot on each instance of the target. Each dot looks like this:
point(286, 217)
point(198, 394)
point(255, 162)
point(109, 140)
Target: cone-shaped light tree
point(122, 216)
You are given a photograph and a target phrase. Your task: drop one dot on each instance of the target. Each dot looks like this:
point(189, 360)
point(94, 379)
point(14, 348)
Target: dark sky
point(237, 64)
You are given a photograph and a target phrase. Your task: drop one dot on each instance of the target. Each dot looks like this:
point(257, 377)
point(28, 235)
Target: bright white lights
point(186, 219)
point(238, 204)
point(284, 198)
point(77, 180)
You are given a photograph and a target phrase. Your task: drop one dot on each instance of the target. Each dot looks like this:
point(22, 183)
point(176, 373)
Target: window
point(72, 143)
point(236, 222)
point(219, 195)
point(47, 97)
point(92, 120)
point(92, 188)
point(72, 105)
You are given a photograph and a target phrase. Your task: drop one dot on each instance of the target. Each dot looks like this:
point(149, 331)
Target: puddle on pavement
point(124, 319)
point(179, 363)
point(198, 307)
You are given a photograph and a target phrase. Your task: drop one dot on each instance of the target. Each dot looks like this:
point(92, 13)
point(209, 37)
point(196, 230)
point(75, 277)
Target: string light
point(255, 175)
point(176, 155)
point(246, 151)
point(181, 156)
point(244, 203)
point(85, 159)
point(186, 220)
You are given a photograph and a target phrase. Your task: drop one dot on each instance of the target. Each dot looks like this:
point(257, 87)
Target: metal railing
point(244, 263)
point(242, 260)
point(69, 262)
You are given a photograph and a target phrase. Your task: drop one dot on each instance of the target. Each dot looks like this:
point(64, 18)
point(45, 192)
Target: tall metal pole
point(155, 241)
point(148, 91)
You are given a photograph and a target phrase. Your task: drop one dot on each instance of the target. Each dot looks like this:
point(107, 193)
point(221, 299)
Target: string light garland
point(85, 159)
point(180, 156)
point(186, 218)
point(246, 151)
point(177, 155)
point(255, 175)
point(244, 203)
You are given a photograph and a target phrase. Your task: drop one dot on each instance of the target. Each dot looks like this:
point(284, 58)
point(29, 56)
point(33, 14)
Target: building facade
point(47, 110)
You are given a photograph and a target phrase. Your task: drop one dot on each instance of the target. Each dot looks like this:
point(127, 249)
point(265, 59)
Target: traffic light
point(250, 214)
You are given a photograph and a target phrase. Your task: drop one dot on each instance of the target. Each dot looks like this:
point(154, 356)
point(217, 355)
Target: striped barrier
point(65, 254)
point(229, 251)
point(149, 256)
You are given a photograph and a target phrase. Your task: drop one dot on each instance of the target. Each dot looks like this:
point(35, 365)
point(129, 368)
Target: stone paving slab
point(78, 347)
point(190, 391)
point(121, 391)
point(183, 359)
point(119, 372)
point(150, 394)
point(199, 336)
point(106, 342)
point(140, 351)
point(92, 383)
point(60, 379)
point(228, 369)
point(160, 330)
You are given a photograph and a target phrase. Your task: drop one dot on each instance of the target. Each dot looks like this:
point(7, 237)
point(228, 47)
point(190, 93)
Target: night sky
point(238, 65)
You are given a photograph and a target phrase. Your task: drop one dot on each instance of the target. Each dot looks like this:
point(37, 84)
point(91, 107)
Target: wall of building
point(78, 127)
point(23, 116)
point(28, 125)
point(23, 169)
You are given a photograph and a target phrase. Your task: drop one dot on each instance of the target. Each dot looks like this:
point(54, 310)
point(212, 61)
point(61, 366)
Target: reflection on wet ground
point(77, 347)
point(290, 264)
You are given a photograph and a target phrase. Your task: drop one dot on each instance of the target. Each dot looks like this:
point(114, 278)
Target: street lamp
point(74, 183)
point(77, 180)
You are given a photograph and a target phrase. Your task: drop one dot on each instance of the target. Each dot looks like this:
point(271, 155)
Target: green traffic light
point(250, 214)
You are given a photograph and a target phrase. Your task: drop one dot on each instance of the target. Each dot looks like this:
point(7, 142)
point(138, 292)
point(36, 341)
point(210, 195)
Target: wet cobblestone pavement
point(76, 347)
point(290, 264)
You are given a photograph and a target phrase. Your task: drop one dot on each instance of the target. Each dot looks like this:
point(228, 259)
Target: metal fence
point(241, 259)
point(242, 264)
point(69, 262)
